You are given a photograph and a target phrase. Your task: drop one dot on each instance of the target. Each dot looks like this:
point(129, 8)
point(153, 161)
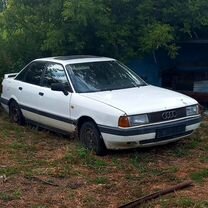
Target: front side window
point(32, 73)
point(54, 74)
point(102, 76)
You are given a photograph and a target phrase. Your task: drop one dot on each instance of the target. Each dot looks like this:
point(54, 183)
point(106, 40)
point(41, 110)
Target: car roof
point(75, 59)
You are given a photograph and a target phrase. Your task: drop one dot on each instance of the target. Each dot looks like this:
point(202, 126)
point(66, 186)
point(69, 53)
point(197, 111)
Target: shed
point(188, 73)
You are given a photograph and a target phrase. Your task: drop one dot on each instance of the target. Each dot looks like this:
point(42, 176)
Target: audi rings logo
point(169, 115)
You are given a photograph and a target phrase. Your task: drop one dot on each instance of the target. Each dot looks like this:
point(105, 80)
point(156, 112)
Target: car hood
point(142, 99)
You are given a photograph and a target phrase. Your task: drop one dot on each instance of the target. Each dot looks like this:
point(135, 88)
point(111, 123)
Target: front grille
point(167, 115)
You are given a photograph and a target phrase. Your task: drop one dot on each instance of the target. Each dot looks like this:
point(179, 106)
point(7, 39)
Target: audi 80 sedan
point(107, 104)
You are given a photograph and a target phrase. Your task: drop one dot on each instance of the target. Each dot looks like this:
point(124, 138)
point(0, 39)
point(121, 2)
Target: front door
point(55, 106)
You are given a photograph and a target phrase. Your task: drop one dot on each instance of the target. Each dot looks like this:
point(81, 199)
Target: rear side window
point(32, 73)
point(54, 73)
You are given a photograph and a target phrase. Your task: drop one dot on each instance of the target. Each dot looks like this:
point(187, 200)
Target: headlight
point(192, 110)
point(136, 120)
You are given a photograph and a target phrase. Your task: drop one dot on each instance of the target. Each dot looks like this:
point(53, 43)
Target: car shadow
point(160, 149)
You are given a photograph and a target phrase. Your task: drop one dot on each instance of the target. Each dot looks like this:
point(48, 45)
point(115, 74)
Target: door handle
point(20, 88)
point(41, 93)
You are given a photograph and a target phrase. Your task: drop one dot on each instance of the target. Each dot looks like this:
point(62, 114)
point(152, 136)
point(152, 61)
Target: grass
point(86, 180)
point(8, 171)
point(181, 150)
point(200, 176)
point(89, 201)
point(101, 180)
point(6, 197)
point(184, 202)
point(139, 163)
point(204, 159)
point(86, 158)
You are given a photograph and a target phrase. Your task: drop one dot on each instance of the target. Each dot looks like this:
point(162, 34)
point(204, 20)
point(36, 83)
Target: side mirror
point(59, 87)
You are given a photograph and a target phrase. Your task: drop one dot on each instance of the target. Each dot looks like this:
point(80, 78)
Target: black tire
point(15, 113)
point(91, 138)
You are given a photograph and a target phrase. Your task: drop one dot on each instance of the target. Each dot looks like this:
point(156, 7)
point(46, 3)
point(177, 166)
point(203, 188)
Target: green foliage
point(122, 29)
point(3, 5)
point(157, 36)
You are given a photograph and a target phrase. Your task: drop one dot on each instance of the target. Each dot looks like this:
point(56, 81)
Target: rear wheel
point(91, 138)
point(15, 113)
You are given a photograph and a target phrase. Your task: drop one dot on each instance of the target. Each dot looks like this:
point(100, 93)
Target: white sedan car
point(108, 105)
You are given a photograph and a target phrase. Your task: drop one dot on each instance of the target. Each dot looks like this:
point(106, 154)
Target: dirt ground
point(41, 169)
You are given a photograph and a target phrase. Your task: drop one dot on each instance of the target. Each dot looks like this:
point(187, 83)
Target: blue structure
point(193, 56)
point(147, 69)
point(187, 73)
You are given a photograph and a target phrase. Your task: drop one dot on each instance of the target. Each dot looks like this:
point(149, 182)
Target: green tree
point(122, 29)
point(3, 5)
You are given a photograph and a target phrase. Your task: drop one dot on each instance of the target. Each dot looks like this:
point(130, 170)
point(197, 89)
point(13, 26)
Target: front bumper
point(118, 138)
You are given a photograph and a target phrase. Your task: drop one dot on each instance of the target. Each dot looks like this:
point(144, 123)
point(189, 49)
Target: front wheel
point(91, 138)
point(15, 113)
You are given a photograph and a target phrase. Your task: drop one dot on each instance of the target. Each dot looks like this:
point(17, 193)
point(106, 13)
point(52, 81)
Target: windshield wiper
point(140, 85)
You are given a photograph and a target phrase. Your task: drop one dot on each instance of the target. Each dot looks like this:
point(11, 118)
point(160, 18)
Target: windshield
point(102, 76)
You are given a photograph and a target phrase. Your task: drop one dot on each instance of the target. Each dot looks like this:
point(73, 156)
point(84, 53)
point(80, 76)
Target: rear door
point(27, 85)
point(55, 106)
